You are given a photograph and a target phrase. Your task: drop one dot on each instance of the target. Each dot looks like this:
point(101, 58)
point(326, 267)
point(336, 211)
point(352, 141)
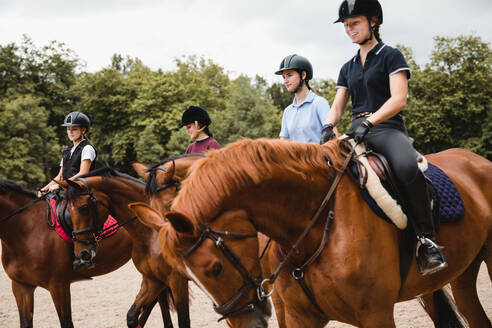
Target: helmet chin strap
point(370, 32)
point(301, 82)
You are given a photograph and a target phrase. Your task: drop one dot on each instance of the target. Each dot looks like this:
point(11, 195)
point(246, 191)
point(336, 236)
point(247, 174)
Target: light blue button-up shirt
point(304, 122)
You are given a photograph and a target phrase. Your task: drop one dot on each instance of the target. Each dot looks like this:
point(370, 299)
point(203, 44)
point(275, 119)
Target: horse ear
point(163, 177)
point(62, 183)
point(147, 215)
point(180, 223)
point(141, 169)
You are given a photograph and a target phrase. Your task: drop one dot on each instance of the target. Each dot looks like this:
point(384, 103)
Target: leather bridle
point(249, 282)
point(97, 234)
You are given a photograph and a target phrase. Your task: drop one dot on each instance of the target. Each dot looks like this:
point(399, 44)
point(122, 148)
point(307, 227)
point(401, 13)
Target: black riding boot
point(417, 207)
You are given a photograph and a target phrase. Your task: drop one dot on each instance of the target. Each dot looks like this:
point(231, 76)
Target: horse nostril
point(85, 256)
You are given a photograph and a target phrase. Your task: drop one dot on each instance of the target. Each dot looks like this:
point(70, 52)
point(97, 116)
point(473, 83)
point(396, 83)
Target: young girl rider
point(197, 120)
point(376, 81)
point(81, 157)
point(303, 119)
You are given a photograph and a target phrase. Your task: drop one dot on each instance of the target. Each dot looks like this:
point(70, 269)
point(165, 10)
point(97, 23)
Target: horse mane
point(249, 162)
point(6, 184)
point(103, 172)
point(151, 186)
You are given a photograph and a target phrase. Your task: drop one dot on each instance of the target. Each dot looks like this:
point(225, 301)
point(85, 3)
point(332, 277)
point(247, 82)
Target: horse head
point(221, 258)
point(164, 179)
point(89, 210)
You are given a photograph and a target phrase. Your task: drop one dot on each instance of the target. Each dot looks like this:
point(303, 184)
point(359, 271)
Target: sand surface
point(104, 301)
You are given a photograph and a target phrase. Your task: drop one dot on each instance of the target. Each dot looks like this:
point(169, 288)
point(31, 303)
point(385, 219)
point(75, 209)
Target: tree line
point(135, 111)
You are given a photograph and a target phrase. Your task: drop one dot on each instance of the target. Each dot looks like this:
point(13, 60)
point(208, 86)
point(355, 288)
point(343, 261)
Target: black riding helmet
point(299, 64)
point(195, 113)
point(355, 8)
point(77, 119)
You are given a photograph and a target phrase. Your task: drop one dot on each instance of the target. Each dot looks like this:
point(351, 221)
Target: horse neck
point(19, 227)
point(282, 207)
point(122, 192)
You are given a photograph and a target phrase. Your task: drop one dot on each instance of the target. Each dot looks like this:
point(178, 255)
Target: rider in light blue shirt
point(303, 119)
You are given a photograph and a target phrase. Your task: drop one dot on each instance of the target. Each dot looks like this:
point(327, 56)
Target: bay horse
point(276, 186)
point(105, 191)
point(33, 255)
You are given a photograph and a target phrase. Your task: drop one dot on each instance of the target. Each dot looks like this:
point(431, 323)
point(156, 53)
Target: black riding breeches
point(390, 138)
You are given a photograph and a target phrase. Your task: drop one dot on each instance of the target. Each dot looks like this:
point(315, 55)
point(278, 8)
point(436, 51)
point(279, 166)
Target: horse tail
point(444, 311)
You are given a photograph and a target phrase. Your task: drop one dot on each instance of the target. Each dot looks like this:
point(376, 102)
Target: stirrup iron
point(427, 242)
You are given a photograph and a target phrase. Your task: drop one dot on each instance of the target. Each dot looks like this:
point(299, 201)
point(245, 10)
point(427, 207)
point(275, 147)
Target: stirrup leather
point(427, 242)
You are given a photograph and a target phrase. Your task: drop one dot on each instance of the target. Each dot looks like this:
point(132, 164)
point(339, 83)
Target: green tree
point(449, 100)
point(28, 144)
point(40, 77)
point(250, 112)
point(279, 95)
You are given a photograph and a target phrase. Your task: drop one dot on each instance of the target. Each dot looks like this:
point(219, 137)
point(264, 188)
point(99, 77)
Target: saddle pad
point(451, 207)
point(64, 235)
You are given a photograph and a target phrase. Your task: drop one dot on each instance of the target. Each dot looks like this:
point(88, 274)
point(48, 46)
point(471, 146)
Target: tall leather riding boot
point(418, 210)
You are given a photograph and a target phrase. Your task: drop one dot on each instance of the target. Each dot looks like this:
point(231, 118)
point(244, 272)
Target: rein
point(299, 272)
point(249, 281)
point(20, 210)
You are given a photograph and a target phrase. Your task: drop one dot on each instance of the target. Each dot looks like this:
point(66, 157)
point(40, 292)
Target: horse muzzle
point(85, 261)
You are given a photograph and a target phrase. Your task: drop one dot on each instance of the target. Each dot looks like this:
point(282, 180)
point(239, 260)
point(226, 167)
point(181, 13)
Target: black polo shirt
point(369, 86)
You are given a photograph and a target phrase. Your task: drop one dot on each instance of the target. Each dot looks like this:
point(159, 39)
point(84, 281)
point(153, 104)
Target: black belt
point(363, 114)
point(367, 114)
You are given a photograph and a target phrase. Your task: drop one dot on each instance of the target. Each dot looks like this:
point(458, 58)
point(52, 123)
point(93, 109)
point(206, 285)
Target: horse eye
point(84, 210)
point(217, 269)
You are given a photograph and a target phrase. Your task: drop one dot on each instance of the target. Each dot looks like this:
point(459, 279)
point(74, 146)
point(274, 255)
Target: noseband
point(225, 310)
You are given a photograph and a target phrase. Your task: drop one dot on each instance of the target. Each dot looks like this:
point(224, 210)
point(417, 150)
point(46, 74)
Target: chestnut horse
point(277, 186)
point(34, 255)
point(105, 191)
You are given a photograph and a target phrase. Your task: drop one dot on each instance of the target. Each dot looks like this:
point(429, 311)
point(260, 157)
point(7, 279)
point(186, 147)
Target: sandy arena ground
point(104, 301)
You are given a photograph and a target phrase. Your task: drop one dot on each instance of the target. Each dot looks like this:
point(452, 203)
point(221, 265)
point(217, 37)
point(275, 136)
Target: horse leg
point(381, 319)
point(487, 256)
point(145, 313)
point(24, 297)
point(181, 298)
point(163, 299)
point(149, 290)
point(465, 293)
point(61, 298)
point(441, 308)
point(299, 318)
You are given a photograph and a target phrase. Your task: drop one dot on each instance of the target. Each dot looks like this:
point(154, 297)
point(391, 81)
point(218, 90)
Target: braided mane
point(249, 162)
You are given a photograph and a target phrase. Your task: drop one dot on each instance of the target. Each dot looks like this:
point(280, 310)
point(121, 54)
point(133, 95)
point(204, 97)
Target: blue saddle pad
point(451, 207)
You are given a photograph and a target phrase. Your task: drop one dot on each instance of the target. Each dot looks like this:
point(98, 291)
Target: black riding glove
point(327, 133)
point(361, 131)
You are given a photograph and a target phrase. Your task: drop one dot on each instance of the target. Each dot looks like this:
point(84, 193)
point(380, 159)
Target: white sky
point(248, 37)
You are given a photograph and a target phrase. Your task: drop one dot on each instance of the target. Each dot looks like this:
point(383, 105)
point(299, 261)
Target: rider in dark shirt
point(375, 79)
point(197, 120)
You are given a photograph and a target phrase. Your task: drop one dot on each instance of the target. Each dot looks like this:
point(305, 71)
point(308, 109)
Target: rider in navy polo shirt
point(376, 80)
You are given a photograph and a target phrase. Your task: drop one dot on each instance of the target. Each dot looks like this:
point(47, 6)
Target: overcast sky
point(248, 37)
